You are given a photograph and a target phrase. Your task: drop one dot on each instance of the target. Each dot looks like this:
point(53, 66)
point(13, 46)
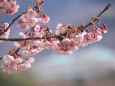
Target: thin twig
point(1, 58)
point(105, 9)
point(11, 23)
point(17, 50)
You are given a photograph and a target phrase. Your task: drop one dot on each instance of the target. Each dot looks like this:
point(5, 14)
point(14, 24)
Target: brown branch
point(17, 50)
point(105, 9)
point(19, 39)
point(12, 22)
point(57, 36)
point(1, 58)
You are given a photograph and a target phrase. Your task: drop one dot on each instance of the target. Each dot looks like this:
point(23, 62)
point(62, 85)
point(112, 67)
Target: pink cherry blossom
point(80, 37)
point(7, 33)
point(8, 59)
point(47, 44)
point(38, 31)
point(60, 29)
point(54, 42)
point(26, 65)
point(30, 47)
point(91, 37)
point(44, 18)
point(22, 67)
point(23, 25)
point(15, 65)
point(85, 43)
point(8, 6)
point(67, 46)
point(28, 19)
point(104, 28)
point(30, 60)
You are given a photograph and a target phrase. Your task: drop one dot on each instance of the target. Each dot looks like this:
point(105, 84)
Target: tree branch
point(105, 9)
point(57, 36)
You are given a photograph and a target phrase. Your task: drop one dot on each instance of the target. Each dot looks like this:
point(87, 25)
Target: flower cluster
point(44, 18)
point(30, 19)
point(68, 38)
point(76, 37)
point(2, 28)
point(15, 64)
point(30, 22)
point(32, 47)
point(66, 46)
point(8, 6)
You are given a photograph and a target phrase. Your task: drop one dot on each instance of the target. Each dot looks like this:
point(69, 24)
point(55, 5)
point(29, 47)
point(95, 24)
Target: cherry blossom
point(7, 33)
point(15, 64)
point(95, 35)
point(80, 37)
point(28, 19)
point(47, 44)
point(104, 28)
point(32, 47)
point(38, 31)
point(8, 6)
point(54, 42)
point(60, 29)
point(44, 18)
point(67, 46)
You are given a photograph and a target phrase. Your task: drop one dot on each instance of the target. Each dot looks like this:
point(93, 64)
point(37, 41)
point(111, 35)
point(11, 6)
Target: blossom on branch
point(15, 64)
point(67, 46)
point(32, 47)
point(44, 18)
point(28, 19)
point(7, 33)
point(60, 29)
point(8, 6)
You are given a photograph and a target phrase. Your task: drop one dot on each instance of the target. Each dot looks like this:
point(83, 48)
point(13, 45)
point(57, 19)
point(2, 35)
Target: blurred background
point(90, 66)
